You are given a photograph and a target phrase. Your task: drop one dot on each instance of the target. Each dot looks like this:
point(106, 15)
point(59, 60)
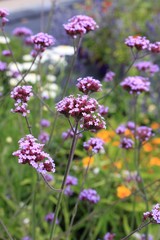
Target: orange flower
point(147, 147)
point(155, 125)
point(128, 133)
point(123, 192)
point(116, 143)
point(156, 141)
point(105, 135)
point(87, 161)
point(154, 161)
point(118, 164)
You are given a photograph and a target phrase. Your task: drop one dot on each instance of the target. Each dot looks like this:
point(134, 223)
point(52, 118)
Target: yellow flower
point(105, 135)
point(87, 161)
point(154, 161)
point(147, 147)
point(123, 192)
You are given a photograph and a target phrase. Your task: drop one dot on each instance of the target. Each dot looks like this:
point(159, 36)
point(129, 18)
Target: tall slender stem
point(71, 154)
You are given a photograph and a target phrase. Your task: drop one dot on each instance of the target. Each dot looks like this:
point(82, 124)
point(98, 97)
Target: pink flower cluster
point(88, 85)
point(154, 214)
point(41, 41)
point(80, 25)
point(89, 195)
point(147, 66)
point(94, 144)
point(82, 108)
point(70, 181)
point(109, 236)
point(103, 110)
point(126, 143)
point(3, 14)
point(139, 42)
point(136, 84)
point(109, 76)
point(32, 153)
point(21, 95)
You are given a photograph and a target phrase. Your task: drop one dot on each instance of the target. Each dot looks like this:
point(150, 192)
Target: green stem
point(6, 230)
point(71, 154)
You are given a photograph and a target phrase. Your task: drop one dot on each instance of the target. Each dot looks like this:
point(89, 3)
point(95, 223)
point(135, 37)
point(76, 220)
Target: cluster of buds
point(80, 25)
point(88, 85)
point(89, 195)
point(3, 16)
point(154, 214)
point(70, 181)
point(30, 152)
point(21, 95)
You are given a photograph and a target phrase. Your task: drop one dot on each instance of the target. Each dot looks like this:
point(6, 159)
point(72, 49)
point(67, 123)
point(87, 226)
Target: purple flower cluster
point(89, 195)
point(22, 32)
point(154, 214)
point(48, 177)
point(109, 76)
point(121, 129)
point(109, 236)
point(147, 66)
point(26, 238)
point(82, 108)
point(139, 42)
point(80, 25)
point(49, 218)
point(136, 84)
point(32, 153)
point(143, 133)
point(126, 143)
point(145, 237)
point(3, 66)
point(43, 137)
point(3, 14)
point(88, 85)
point(21, 95)
point(132, 176)
point(94, 144)
point(45, 123)
point(42, 41)
point(6, 53)
point(70, 181)
point(154, 47)
point(103, 110)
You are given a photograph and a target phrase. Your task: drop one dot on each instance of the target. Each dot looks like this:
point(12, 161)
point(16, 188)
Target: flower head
point(70, 181)
point(32, 153)
point(103, 110)
point(6, 53)
point(123, 192)
point(43, 137)
point(109, 76)
point(88, 85)
point(49, 218)
point(154, 214)
point(41, 41)
point(143, 133)
point(139, 42)
point(22, 32)
point(3, 14)
point(147, 66)
point(154, 47)
point(94, 144)
point(79, 25)
point(45, 123)
point(126, 143)
point(109, 236)
point(3, 66)
point(89, 195)
point(136, 84)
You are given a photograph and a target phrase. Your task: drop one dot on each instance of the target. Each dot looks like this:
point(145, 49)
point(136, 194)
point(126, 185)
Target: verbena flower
point(139, 42)
point(94, 144)
point(3, 14)
point(136, 84)
point(109, 236)
point(30, 152)
point(42, 41)
point(130, 125)
point(45, 123)
point(126, 143)
point(21, 95)
point(88, 85)
point(70, 181)
point(143, 133)
point(3, 66)
point(43, 137)
point(121, 129)
point(48, 177)
point(154, 214)
point(22, 32)
point(6, 53)
point(103, 110)
point(26, 238)
point(89, 195)
point(68, 191)
point(79, 25)
point(109, 76)
point(147, 66)
point(154, 47)
point(49, 218)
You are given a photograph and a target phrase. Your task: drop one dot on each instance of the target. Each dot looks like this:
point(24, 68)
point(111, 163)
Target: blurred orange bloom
point(123, 192)
point(154, 161)
point(147, 147)
point(116, 143)
point(156, 141)
point(155, 125)
point(105, 135)
point(118, 164)
point(128, 133)
point(87, 161)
